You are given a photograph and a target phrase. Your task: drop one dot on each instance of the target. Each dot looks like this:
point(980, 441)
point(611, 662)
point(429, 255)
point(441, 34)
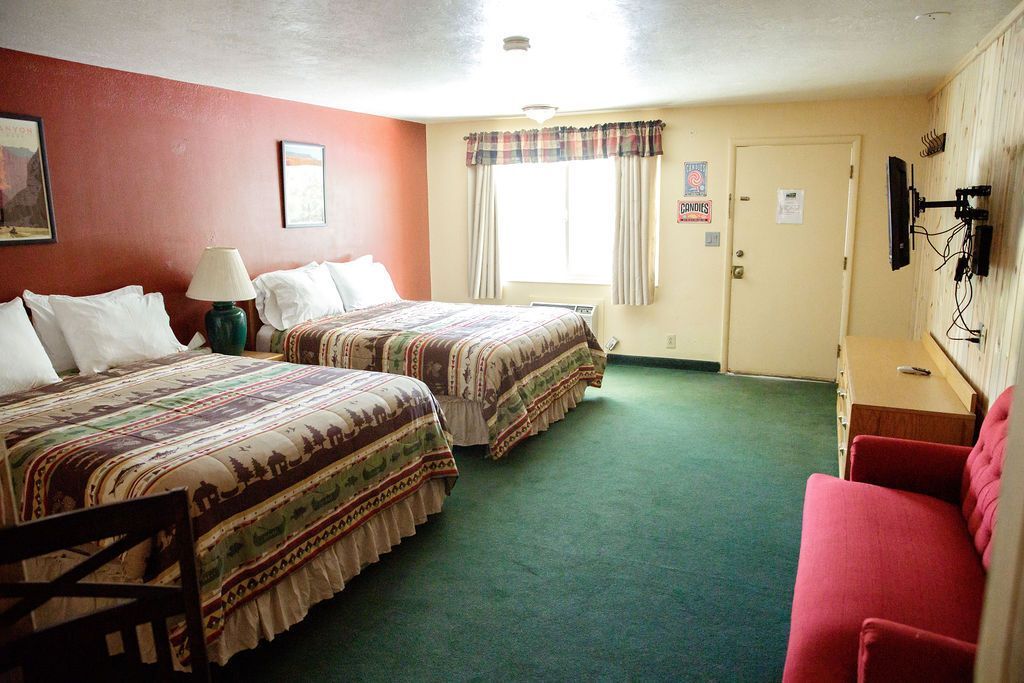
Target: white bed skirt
point(465, 420)
point(288, 602)
point(468, 428)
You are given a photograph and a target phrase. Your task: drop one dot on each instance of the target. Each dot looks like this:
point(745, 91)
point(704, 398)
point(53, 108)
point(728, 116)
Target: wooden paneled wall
point(981, 110)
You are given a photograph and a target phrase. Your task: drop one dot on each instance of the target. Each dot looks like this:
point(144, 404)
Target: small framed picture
point(26, 207)
point(303, 185)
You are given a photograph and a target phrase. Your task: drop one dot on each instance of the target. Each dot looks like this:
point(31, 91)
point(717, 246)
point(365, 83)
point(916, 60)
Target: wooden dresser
point(874, 398)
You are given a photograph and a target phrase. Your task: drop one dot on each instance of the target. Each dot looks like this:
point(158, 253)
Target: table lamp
point(221, 278)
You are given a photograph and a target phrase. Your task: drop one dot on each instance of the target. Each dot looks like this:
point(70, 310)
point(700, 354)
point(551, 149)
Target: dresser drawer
point(842, 413)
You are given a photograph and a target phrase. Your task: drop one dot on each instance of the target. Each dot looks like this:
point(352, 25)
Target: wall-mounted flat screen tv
point(899, 213)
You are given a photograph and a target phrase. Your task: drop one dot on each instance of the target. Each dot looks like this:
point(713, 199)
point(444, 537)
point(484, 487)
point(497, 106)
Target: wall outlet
point(670, 341)
point(612, 343)
point(982, 337)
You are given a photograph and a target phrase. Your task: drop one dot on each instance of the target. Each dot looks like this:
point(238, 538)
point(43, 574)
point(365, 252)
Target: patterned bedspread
point(515, 361)
point(280, 460)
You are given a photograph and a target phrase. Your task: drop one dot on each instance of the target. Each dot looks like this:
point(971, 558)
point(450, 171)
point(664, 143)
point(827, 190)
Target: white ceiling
point(442, 59)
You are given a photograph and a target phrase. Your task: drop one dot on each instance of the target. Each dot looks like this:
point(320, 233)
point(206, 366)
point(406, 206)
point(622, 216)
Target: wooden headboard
point(253, 323)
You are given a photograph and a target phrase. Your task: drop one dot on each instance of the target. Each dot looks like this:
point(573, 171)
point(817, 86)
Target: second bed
point(500, 373)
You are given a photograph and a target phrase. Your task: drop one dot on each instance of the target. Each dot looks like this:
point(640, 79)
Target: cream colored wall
point(981, 110)
point(689, 301)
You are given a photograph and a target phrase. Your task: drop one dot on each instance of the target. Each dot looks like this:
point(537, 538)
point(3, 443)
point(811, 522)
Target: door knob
point(739, 253)
point(737, 272)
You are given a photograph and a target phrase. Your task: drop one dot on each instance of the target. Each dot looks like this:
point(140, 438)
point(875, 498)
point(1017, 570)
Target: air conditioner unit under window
point(586, 311)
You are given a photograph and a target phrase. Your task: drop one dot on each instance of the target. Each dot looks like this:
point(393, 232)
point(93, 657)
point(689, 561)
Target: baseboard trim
point(658, 362)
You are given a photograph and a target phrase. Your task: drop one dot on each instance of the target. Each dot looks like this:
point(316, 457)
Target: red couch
point(892, 566)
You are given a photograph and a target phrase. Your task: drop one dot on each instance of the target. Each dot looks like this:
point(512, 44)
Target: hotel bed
point(500, 373)
point(299, 476)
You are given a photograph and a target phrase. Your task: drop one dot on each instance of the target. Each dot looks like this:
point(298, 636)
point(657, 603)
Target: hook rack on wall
point(934, 143)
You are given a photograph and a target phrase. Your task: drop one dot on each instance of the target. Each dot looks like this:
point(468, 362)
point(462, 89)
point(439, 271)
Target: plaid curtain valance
point(564, 143)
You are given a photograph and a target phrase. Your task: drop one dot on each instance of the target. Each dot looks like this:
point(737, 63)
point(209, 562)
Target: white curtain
point(633, 261)
point(484, 277)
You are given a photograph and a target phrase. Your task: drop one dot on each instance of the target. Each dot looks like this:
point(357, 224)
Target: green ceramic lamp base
point(226, 328)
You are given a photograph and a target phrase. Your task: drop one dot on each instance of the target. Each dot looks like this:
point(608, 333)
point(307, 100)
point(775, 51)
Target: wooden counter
point(874, 398)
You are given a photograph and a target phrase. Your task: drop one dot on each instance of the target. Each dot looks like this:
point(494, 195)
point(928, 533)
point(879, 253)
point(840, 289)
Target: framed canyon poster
point(26, 207)
point(303, 185)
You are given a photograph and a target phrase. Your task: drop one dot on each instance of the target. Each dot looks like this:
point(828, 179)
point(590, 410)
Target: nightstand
point(263, 355)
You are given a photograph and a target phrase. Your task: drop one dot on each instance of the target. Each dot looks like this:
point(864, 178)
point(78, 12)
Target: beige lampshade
point(220, 276)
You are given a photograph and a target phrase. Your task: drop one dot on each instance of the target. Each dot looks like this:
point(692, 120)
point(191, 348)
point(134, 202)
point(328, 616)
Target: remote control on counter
point(914, 370)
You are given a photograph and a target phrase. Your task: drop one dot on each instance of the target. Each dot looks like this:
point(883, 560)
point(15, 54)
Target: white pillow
point(353, 265)
point(45, 322)
point(295, 296)
point(107, 332)
point(23, 364)
point(266, 301)
point(363, 284)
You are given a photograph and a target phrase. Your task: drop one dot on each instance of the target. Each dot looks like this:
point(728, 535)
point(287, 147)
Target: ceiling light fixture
point(932, 16)
point(517, 45)
point(539, 112)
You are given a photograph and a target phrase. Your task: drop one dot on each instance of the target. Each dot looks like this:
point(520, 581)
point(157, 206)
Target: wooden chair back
point(76, 649)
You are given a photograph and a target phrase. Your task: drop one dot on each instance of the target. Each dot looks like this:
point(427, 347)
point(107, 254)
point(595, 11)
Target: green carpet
point(653, 534)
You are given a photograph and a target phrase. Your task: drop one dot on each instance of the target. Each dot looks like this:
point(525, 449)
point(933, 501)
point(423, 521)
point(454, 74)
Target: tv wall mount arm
point(962, 204)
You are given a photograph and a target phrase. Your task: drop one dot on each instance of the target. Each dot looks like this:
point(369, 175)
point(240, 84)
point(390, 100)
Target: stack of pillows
point(285, 298)
point(89, 333)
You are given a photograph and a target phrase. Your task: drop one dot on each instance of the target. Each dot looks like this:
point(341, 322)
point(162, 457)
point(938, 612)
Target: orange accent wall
point(145, 172)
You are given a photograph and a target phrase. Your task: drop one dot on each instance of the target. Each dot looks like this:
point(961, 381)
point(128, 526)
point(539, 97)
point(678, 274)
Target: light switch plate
point(712, 239)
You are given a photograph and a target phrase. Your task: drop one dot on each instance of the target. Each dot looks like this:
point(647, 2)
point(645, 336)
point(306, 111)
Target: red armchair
point(896, 652)
point(893, 562)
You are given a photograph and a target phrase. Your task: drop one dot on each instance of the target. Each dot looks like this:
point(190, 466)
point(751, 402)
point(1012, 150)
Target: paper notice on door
point(790, 208)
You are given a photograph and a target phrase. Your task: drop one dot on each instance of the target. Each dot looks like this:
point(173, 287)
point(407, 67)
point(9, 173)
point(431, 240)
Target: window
point(556, 221)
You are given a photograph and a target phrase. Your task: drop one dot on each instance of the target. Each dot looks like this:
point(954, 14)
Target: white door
point(787, 271)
